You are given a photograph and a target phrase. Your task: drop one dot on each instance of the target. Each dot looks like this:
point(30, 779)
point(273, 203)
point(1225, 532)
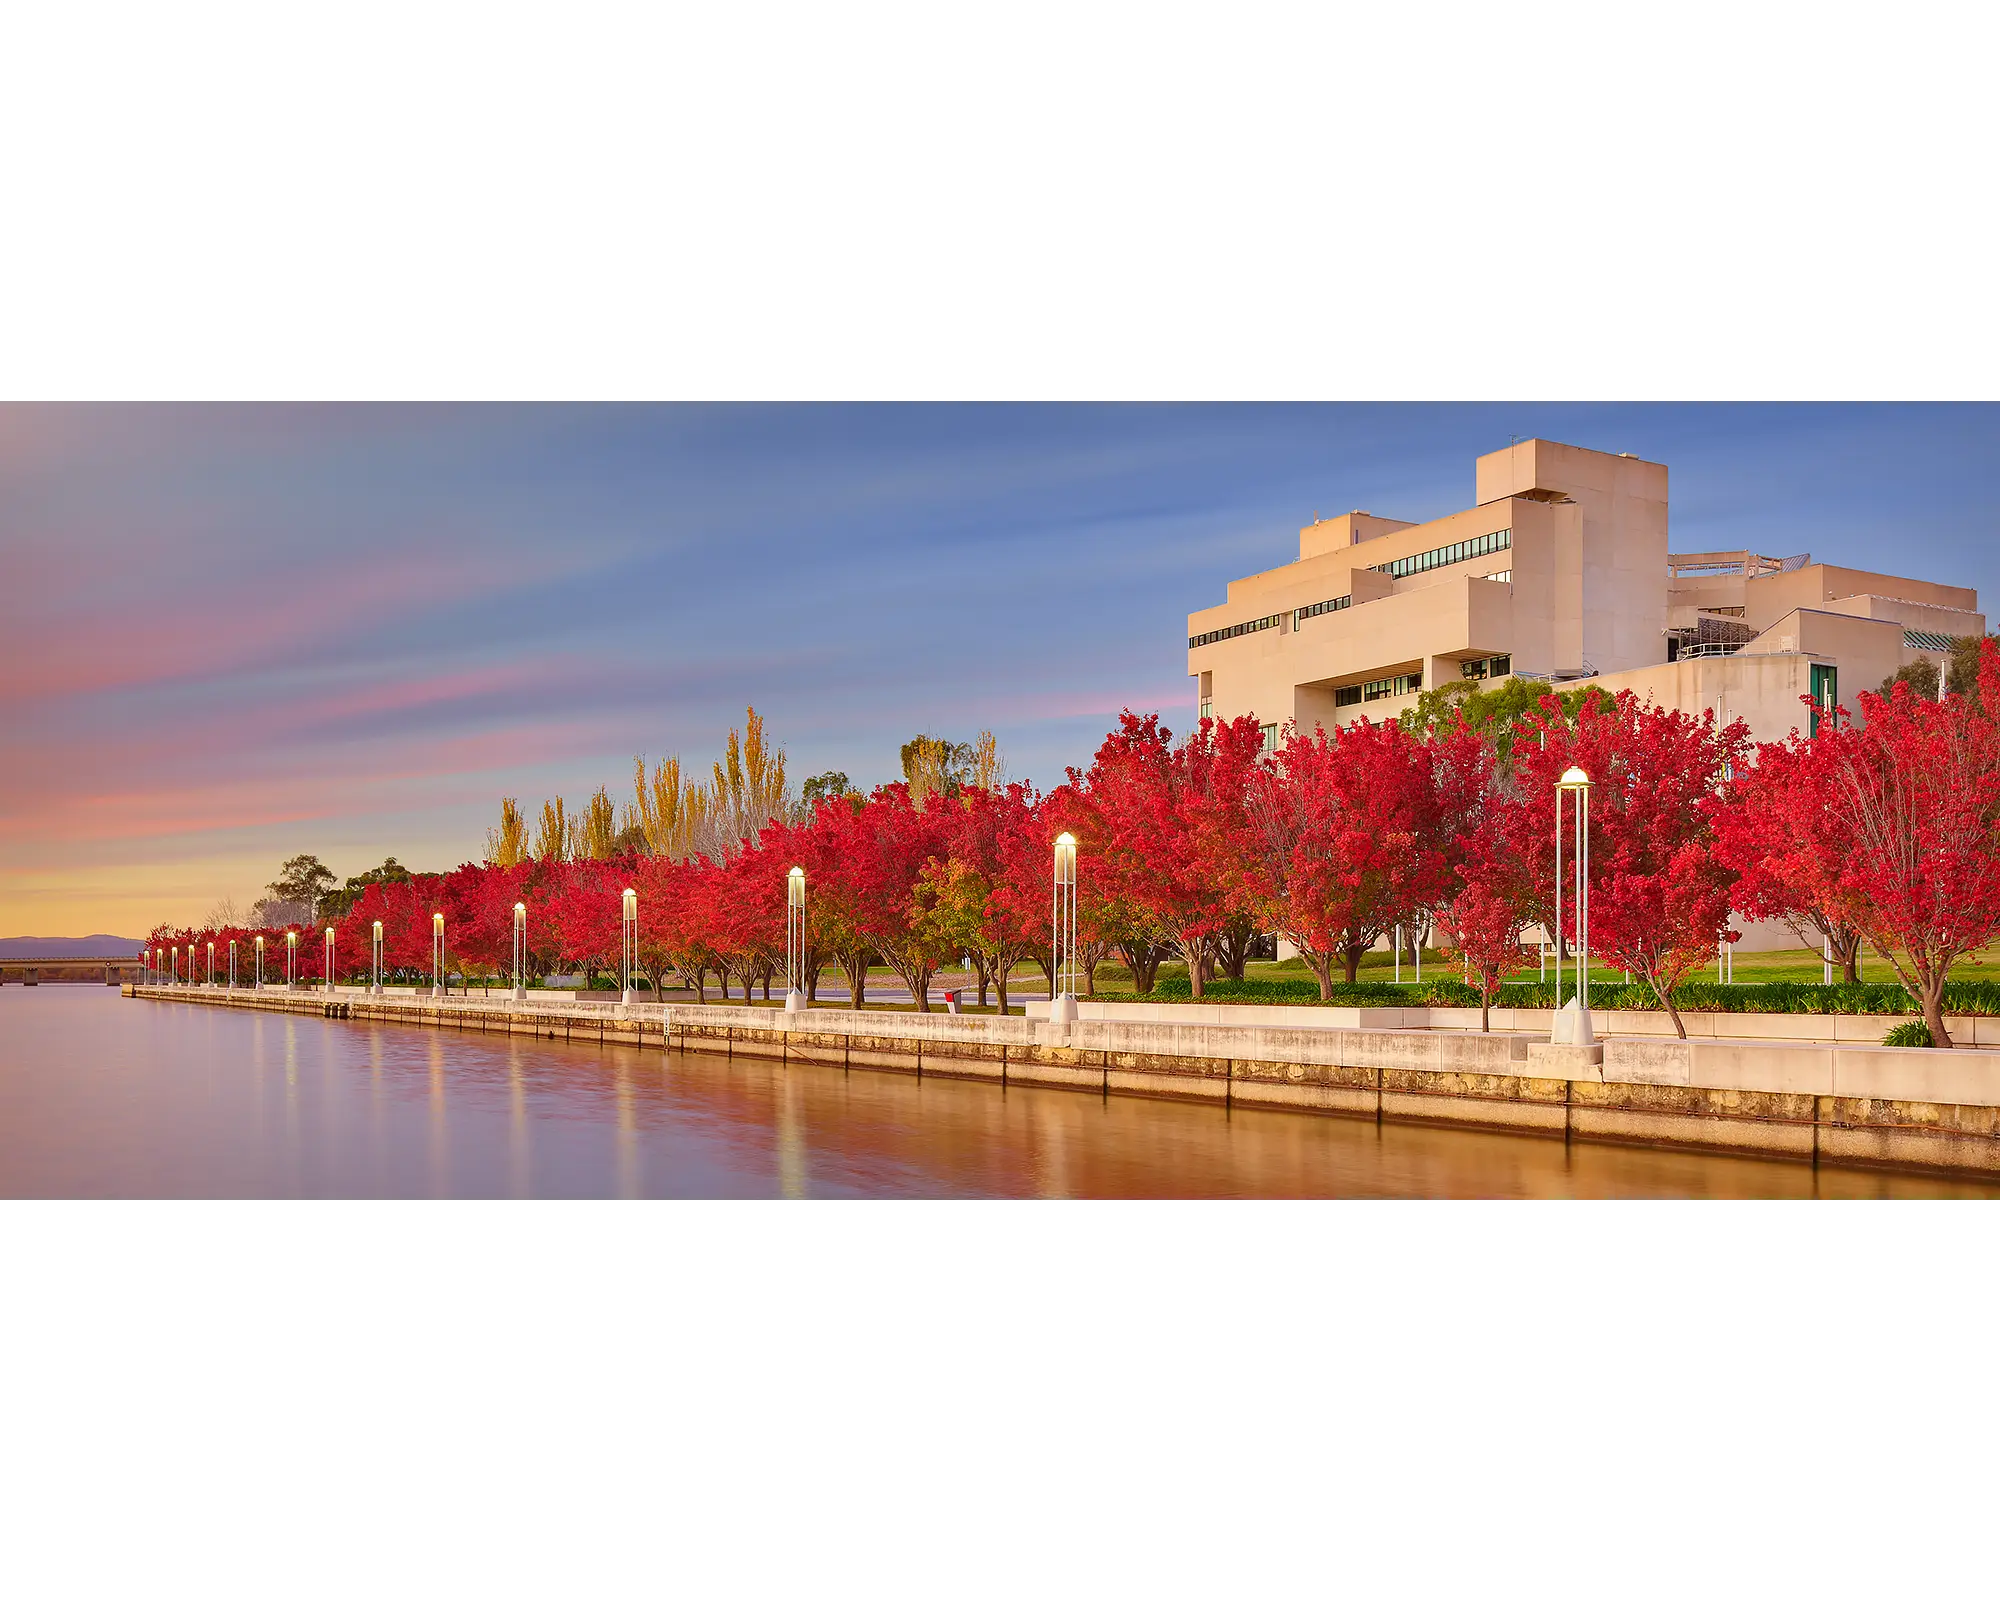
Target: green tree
point(303, 880)
point(1494, 713)
point(340, 901)
point(1961, 674)
point(828, 785)
point(936, 767)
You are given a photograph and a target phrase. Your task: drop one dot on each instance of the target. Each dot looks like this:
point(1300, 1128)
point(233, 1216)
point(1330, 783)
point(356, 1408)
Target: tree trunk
point(855, 970)
point(1350, 956)
point(1142, 960)
point(1934, 1014)
point(1197, 961)
point(1485, 1009)
point(1847, 952)
point(1321, 963)
point(999, 989)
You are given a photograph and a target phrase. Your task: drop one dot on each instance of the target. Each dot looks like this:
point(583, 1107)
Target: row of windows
point(1236, 630)
point(1487, 667)
point(1445, 555)
point(1380, 689)
point(1338, 603)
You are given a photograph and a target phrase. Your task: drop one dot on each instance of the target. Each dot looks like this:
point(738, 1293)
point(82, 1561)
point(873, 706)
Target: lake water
point(105, 1096)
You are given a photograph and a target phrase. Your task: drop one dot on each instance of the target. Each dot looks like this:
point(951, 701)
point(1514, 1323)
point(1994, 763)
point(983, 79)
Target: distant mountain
point(91, 946)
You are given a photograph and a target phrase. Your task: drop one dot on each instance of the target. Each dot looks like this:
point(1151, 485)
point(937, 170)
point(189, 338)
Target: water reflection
point(110, 1096)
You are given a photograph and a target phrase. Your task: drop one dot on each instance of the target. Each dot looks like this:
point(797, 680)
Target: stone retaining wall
point(1853, 1104)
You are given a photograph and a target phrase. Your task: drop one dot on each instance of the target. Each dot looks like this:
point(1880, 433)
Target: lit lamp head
point(795, 886)
point(437, 920)
point(292, 937)
point(260, 941)
point(1066, 857)
point(520, 913)
point(378, 930)
point(1575, 778)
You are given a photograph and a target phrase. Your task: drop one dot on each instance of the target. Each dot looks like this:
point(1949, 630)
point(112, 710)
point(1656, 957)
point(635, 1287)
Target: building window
point(1381, 689)
point(1484, 667)
point(1338, 603)
point(1207, 708)
point(1825, 695)
point(1236, 631)
point(1449, 554)
point(1270, 731)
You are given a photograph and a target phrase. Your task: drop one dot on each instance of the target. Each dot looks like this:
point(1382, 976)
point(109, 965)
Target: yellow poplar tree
point(507, 845)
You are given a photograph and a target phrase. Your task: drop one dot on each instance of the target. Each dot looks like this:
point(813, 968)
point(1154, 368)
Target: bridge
point(74, 969)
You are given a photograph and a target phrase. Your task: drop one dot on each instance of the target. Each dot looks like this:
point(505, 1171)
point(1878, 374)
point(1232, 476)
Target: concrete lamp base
point(1062, 1009)
point(1572, 1026)
point(795, 1001)
point(520, 994)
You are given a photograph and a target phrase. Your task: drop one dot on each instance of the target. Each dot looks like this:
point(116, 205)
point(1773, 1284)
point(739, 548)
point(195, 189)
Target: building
point(1559, 571)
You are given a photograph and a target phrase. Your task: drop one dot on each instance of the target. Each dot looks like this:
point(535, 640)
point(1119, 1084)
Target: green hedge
point(1974, 997)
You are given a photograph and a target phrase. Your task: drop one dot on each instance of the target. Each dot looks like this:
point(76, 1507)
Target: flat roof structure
point(1560, 570)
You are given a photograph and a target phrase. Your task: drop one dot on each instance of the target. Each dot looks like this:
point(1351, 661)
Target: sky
point(234, 633)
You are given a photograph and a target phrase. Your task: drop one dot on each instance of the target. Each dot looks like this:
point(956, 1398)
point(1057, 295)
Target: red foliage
point(1659, 899)
point(1781, 826)
point(1160, 822)
point(1919, 786)
point(1354, 833)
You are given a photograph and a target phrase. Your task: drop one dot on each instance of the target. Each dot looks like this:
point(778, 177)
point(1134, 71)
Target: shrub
point(1910, 1035)
point(1976, 997)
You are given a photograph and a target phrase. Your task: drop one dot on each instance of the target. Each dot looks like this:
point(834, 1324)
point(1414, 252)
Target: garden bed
point(1970, 998)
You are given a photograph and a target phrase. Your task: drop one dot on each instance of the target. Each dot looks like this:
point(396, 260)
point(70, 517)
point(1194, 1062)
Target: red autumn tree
point(584, 907)
point(830, 845)
point(1659, 899)
point(999, 834)
point(1486, 922)
point(1352, 832)
point(672, 932)
point(1782, 827)
point(891, 840)
point(1919, 782)
point(1159, 817)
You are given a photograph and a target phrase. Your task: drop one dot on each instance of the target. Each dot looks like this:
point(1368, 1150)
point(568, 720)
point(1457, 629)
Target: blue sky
point(256, 630)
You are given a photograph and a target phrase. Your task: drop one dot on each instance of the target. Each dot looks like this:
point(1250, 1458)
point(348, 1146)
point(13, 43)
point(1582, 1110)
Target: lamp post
point(209, 982)
point(795, 938)
point(520, 951)
point(628, 942)
point(1062, 916)
point(1577, 1031)
point(260, 961)
point(437, 955)
point(376, 955)
point(291, 958)
point(328, 970)
point(232, 963)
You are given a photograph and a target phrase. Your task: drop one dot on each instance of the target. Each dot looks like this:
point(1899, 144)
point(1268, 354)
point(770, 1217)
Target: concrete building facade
point(1559, 571)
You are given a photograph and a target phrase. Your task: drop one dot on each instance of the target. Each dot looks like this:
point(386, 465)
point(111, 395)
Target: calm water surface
point(104, 1096)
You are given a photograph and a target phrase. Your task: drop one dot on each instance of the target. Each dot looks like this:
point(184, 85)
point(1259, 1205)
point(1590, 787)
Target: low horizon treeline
point(1885, 831)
